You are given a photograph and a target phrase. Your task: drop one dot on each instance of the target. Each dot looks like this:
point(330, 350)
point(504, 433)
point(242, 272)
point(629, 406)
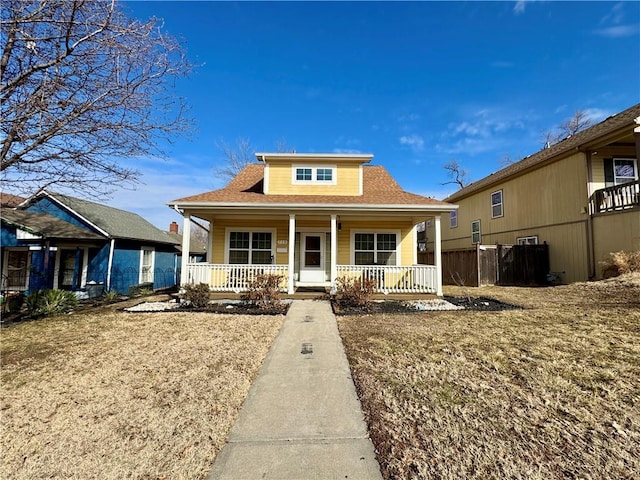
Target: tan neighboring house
point(581, 196)
point(312, 218)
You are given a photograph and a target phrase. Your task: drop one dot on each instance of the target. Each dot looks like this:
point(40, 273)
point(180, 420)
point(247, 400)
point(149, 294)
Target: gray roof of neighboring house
point(615, 123)
point(196, 246)
point(47, 226)
point(115, 222)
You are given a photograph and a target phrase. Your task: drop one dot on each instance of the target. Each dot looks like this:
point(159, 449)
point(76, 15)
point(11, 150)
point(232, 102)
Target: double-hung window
point(624, 170)
point(496, 204)
point(475, 231)
point(250, 248)
point(375, 248)
point(453, 219)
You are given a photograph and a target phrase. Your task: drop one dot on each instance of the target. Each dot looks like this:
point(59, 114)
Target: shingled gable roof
point(47, 226)
point(114, 222)
point(583, 139)
point(379, 189)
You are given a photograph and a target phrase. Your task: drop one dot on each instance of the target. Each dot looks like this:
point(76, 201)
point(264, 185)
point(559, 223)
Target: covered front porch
point(310, 249)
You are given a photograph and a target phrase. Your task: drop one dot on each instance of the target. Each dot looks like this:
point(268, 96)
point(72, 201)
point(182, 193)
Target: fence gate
point(522, 264)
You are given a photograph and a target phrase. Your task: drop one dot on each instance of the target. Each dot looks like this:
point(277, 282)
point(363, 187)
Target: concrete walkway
point(302, 418)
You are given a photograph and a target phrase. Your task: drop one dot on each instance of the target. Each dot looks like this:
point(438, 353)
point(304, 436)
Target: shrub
point(354, 292)
point(110, 296)
point(197, 295)
point(620, 263)
point(264, 292)
point(50, 302)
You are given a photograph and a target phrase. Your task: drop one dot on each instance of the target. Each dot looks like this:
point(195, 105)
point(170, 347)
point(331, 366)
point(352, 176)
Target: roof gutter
point(323, 206)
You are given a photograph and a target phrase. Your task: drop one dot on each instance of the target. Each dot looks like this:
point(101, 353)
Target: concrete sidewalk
point(302, 418)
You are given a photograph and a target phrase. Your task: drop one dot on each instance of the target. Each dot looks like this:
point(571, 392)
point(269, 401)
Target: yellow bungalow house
point(581, 196)
point(313, 218)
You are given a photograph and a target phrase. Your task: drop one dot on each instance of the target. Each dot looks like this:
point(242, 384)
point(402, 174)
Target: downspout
point(112, 247)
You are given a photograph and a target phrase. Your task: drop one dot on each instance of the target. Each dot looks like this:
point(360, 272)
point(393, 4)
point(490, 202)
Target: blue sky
point(417, 84)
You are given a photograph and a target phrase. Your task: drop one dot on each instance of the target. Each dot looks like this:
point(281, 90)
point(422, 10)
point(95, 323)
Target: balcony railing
point(392, 279)
point(612, 199)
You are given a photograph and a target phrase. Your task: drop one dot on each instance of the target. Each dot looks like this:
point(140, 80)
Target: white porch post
point(437, 260)
point(334, 251)
point(292, 247)
point(186, 248)
point(210, 243)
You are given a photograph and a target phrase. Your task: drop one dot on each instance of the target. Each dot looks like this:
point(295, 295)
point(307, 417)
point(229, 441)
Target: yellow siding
point(550, 202)
point(615, 232)
point(281, 175)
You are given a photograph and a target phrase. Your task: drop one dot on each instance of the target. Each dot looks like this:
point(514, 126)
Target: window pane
point(363, 258)
point(261, 241)
point(453, 219)
point(624, 168)
point(386, 258)
point(324, 174)
point(386, 241)
point(303, 174)
point(496, 211)
point(239, 257)
point(239, 240)
point(496, 198)
point(261, 257)
point(312, 243)
point(311, 259)
point(364, 241)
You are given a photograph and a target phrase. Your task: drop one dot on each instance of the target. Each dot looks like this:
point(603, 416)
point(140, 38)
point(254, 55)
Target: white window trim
point(453, 219)
point(495, 205)
point(5, 265)
point(153, 262)
point(227, 242)
point(352, 244)
point(635, 169)
point(314, 175)
point(479, 232)
point(523, 240)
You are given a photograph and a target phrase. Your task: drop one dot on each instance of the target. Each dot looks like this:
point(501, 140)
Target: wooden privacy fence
point(493, 265)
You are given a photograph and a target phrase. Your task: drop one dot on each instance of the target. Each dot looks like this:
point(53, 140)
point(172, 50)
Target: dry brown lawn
point(114, 395)
point(548, 392)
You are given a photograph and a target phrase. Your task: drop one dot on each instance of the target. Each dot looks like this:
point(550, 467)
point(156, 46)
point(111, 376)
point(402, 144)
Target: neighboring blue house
point(58, 241)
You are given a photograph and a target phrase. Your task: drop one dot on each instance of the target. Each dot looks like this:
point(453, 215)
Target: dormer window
point(313, 175)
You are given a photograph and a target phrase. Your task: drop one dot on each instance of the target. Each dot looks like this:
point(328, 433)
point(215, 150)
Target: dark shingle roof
point(8, 200)
point(611, 125)
point(47, 226)
point(115, 222)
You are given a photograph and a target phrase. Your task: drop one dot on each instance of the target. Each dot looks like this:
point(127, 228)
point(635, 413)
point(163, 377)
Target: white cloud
point(519, 7)
point(416, 142)
point(618, 31)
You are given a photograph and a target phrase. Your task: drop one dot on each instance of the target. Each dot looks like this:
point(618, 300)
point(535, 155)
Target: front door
point(312, 258)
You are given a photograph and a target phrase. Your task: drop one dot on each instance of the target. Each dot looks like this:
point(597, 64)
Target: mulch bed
point(397, 306)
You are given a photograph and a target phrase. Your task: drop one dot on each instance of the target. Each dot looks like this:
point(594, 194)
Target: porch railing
point(392, 279)
point(619, 197)
point(232, 278)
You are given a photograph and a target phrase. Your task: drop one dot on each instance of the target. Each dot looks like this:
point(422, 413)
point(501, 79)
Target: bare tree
point(82, 86)
point(236, 157)
point(241, 154)
point(578, 122)
point(456, 173)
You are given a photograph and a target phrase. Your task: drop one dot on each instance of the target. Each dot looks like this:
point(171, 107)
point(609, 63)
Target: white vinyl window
point(250, 248)
point(147, 261)
point(314, 175)
point(453, 219)
point(531, 240)
point(624, 170)
point(375, 248)
point(496, 204)
point(475, 231)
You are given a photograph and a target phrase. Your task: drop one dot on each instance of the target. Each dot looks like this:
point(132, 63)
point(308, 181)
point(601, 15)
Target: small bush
point(354, 292)
point(620, 263)
point(197, 295)
point(110, 296)
point(264, 292)
point(50, 302)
